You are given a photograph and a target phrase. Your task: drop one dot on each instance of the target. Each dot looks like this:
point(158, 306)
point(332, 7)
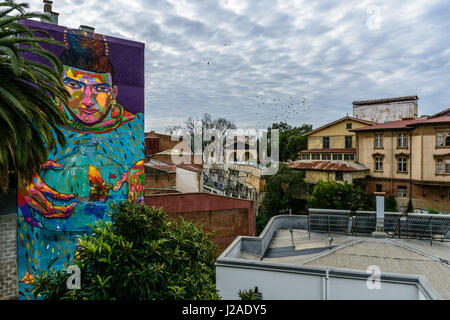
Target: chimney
point(86, 28)
point(49, 12)
point(379, 229)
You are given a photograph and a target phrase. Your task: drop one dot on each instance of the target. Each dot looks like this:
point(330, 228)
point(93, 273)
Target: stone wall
point(8, 257)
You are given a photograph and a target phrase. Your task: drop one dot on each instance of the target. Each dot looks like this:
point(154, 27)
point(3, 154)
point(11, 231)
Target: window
point(379, 188)
point(440, 139)
point(447, 166)
point(402, 165)
point(378, 141)
point(326, 143)
point(337, 156)
point(305, 156)
point(348, 142)
point(402, 140)
point(326, 156)
point(339, 176)
point(349, 125)
point(402, 191)
point(443, 139)
point(378, 164)
point(349, 157)
point(439, 166)
point(315, 156)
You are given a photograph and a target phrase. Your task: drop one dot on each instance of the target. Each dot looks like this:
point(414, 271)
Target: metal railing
point(411, 225)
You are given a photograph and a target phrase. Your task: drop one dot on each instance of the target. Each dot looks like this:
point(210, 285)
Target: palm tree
point(29, 116)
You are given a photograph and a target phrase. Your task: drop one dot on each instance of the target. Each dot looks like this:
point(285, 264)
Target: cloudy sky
point(257, 62)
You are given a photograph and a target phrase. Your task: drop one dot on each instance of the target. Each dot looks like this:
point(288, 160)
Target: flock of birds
point(290, 111)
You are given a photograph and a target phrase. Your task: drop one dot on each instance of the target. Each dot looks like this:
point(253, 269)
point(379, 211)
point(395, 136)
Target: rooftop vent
point(86, 28)
point(48, 10)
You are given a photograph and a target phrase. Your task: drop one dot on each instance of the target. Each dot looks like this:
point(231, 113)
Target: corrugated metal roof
point(191, 167)
point(327, 165)
point(389, 257)
point(162, 167)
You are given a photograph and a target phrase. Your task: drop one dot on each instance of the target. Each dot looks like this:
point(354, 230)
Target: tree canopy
point(335, 195)
point(29, 118)
point(291, 139)
point(282, 194)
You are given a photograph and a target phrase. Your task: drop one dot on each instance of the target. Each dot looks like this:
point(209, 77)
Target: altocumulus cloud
point(257, 62)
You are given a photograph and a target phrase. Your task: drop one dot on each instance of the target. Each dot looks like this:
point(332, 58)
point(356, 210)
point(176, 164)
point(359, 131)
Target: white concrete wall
point(282, 285)
point(273, 285)
point(187, 181)
point(385, 111)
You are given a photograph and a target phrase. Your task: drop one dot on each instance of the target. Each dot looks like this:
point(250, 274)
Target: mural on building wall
point(102, 161)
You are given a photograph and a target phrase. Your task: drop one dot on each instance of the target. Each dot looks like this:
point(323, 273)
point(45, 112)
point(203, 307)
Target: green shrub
point(140, 254)
point(334, 195)
point(247, 294)
point(391, 204)
point(410, 206)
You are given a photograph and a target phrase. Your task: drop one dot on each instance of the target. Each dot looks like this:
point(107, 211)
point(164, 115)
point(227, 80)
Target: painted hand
point(135, 179)
point(36, 196)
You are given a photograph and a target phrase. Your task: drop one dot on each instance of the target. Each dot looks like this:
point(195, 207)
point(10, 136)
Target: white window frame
point(439, 166)
point(402, 165)
point(440, 139)
point(402, 140)
point(447, 166)
point(378, 141)
point(378, 163)
point(349, 156)
point(402, 195)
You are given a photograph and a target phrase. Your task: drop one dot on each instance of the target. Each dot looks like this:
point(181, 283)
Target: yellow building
point(331, 153)
point(334, 141)
point(408, 159)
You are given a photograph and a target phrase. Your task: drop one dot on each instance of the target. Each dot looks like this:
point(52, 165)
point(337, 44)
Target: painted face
point(90, 94)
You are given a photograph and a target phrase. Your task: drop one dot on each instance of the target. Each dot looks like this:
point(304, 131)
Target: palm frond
point(29, 119)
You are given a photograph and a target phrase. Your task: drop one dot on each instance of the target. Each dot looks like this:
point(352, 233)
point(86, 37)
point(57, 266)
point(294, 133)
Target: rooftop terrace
point(310, 252)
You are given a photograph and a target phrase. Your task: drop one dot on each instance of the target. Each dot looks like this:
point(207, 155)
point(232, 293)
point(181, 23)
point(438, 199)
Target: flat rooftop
point(392, 255)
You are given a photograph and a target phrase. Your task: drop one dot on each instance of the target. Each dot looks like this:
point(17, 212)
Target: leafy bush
point(334, 195)
point(390, 204)
point(140, 254)
point(247, 294)
point(410, 206)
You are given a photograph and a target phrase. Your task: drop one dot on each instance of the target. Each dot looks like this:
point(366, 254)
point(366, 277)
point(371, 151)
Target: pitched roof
point(169, 168)
point(385, 100)
point(327, 165)
point(191, 167)
point(404, 124)
point(346, 118)
point(442, 113)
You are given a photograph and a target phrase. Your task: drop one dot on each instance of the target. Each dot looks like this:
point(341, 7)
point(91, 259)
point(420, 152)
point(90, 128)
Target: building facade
point(387, 109)
point(408, 159)
point(331, 153)
point(333, 141)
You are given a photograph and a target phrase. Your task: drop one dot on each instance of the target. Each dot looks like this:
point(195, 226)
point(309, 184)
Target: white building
point(389, 109)
point(301, 264)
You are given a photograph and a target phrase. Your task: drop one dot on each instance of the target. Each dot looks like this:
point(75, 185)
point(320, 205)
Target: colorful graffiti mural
point(102, 161)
